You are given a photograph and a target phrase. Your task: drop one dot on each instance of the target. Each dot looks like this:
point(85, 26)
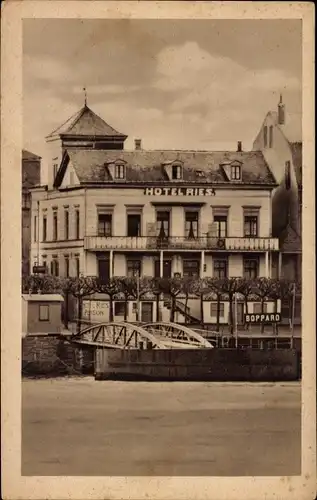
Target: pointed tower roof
point(85, 123)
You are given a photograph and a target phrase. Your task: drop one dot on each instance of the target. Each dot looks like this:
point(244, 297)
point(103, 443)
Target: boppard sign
point(263, 318)
point(178, 191)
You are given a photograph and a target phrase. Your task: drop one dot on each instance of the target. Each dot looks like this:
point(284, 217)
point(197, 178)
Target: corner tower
point(84, 130)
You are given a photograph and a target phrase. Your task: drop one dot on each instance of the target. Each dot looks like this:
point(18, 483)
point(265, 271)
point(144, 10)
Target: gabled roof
point(296, 148)
point(290, 240)
point(27, 155)
point(148, 166)
point(292, 128)
point(86, 123)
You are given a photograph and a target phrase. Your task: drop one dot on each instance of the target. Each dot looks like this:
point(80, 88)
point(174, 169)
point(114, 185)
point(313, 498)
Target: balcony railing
point(206, 242)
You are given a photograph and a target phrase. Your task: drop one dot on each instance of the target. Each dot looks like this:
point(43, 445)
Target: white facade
point(82, 239)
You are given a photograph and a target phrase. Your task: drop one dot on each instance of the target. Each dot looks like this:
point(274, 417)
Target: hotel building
point(109, 212)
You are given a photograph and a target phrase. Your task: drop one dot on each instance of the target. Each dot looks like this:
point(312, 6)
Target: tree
point(171, 287)
point(156, 289)
point(80, 287)
point(188, 288)
point(110, 287)
point(133, 288)
point(246, 289)
point(265, 288)
point(215, 287)
point(284, 291)
point(200, 288)
point(41, 283)
point(230, 286)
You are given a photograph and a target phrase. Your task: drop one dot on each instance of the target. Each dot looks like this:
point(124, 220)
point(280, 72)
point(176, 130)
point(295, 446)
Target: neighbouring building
point(280, 141)
point(31, 176)
point(109, 212)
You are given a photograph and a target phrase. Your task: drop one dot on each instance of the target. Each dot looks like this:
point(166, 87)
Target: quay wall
point(54, 355)
point(227, 364)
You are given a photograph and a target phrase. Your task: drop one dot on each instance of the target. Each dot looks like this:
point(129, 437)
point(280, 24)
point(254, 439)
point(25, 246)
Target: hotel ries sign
point(179, 191)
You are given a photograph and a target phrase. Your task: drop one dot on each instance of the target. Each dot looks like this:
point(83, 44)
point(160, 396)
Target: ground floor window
point(220, 270)
point(214, 309)
point(259, 308)
point(133, 268)
point(119, 308)
point(54, 267)
point(43, 312)
point(167, 268)
point(250, 268)
point(191, 268)
point(77, 266)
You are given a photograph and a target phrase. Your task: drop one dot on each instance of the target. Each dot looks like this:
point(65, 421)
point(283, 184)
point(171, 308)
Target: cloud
point(182, 96)
point(227, 96)
point(188, 66)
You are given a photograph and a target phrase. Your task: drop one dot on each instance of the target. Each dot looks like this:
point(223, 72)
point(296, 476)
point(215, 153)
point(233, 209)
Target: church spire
point(85, 96)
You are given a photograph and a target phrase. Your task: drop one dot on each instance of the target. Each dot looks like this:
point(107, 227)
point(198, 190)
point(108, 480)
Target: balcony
point(234, 244)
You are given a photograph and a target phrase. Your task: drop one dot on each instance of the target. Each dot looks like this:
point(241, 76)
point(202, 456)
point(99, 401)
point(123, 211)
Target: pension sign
point(179, 191)
point(267, 318)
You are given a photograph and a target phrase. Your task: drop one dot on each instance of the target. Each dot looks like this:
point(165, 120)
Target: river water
point(78, 426)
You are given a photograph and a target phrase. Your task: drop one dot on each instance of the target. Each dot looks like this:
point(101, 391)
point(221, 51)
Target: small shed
point(41, 314)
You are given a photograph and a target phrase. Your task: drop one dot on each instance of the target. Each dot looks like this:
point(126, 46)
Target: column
point(111, 264)
point(267, 272)
point(202, 264)
point(280, 265)
point(161, 263)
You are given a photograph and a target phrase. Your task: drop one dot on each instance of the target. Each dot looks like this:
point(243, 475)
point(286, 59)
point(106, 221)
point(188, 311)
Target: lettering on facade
point(178, 191)
point(263, 318)
point(96, 310)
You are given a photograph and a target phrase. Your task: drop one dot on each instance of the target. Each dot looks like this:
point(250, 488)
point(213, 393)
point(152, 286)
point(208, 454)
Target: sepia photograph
point(161, 243)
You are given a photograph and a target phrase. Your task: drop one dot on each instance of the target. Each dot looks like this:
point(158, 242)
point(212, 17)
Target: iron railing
point(180, 243)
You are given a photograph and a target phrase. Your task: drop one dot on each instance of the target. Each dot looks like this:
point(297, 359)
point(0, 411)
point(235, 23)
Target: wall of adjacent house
point(31, 175)
point(284, 202)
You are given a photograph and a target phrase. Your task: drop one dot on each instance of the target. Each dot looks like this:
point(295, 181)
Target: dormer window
point(119, 171)
point(177, 172)
point(235, 172)
point(200, 173)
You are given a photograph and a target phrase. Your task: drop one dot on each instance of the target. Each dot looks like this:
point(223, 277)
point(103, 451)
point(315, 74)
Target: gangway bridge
point(124, 335)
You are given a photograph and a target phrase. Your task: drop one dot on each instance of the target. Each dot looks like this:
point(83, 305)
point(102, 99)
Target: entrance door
point(146, 312)
point(134, 225)
point(240, 312)
point(104, 269)
point(167, 269)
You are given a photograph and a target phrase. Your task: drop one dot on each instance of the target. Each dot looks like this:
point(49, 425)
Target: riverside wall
point(227, 364)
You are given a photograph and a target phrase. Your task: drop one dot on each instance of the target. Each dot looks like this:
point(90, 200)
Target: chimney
point(281, 112)
point(239, 148)
point(137, 144)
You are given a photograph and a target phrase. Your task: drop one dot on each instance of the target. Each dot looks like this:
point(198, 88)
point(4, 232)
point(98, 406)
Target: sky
point(176, 84)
